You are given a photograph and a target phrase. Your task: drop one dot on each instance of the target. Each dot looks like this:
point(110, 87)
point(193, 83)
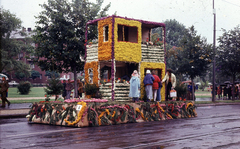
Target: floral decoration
point(80, 113)
point(127, 51)
point(104, 48)
point(94, 66)
point(152, 65)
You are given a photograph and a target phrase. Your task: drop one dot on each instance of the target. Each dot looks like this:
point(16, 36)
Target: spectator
point(148, 82)
point(64, 93)
point(170, 80)
point(69, 88)
point(4, 87)
point(134, 86)
point(224, 92)
point(219, 92)
point(155, 85)
point(80, 88)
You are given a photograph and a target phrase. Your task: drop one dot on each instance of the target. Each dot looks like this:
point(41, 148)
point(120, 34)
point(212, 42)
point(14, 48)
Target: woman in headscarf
point(134, 86)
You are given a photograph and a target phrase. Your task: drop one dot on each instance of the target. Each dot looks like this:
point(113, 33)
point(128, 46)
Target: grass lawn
point(35, 92)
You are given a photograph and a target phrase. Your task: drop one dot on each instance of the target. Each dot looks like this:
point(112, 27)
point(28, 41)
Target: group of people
point(3, 91)
point(152, 84)
point(228, 91)
point(68, 87)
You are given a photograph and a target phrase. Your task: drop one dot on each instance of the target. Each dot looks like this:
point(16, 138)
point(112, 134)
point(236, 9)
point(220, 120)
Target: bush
point(54, 87)
point(181, 90)
point(24, 87)
point(91, 89)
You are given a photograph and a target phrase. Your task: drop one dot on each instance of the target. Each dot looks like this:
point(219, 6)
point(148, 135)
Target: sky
point(187, 12)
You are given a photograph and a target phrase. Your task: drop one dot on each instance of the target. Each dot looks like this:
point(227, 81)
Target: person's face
point(3, 78)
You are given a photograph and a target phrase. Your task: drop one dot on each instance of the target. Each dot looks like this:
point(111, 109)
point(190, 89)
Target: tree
point(194, 56)
point(54, 87)
point(60, 34)
point(51, 74)
point(10, 48)
point(228, 59)
point(35, 74)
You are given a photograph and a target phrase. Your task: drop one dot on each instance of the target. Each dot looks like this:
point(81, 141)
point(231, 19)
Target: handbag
point(173, 93)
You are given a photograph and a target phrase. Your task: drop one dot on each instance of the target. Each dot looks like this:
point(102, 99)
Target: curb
point(14, 113)
point(217, 104)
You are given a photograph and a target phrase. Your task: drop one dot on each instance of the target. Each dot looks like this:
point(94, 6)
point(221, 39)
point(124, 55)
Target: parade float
point(123, 45)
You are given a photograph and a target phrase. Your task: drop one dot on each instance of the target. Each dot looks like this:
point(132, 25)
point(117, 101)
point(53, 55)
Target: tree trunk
point(192, 90)
point(75, 83)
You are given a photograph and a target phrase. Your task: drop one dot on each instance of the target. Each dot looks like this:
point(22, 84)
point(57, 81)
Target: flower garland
point(137, 110)
point(104, 48)
point(101, 115)
point(86, 100)
point(80, 113)
point(94, 66)
point(152, 65)
point(169, 116)
point(127, 51)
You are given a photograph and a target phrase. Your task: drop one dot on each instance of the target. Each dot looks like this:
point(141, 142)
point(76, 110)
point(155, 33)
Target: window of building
point(90, 72)
point(105, 33)
point(127, 33)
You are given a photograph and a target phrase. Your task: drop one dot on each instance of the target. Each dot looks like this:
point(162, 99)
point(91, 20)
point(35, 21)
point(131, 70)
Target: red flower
point(86, 40)
point(108, 80)
point(45, 95)
point(158, 39)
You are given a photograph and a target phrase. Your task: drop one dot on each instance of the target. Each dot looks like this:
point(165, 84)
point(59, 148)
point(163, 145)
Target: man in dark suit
point(4, 87)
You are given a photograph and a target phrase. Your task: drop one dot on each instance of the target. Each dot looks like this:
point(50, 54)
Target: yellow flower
point(80, 113)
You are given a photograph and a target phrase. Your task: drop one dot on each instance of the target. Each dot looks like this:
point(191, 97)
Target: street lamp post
point(214, 38)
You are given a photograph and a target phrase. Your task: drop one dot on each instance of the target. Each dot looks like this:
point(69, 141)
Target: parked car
point(13, 83)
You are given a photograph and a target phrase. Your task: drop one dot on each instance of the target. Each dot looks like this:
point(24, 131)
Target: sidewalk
point(15, 110)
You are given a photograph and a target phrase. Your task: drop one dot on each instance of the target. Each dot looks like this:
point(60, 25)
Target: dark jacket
point(148, 79)
point(4, 86)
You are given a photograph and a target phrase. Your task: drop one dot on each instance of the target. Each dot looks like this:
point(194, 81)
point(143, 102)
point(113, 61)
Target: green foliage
point(181, 89)
point(24, 87)
point(203, 85)
point(60, 34)
point(35, 74)
point(51, 74)
point(195, 54)
point(91, 89)
point(10, 48)
point(54, 87)
point(228, 62)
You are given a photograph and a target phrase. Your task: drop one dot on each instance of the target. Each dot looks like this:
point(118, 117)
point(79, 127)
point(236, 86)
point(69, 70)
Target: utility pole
point(214, 38)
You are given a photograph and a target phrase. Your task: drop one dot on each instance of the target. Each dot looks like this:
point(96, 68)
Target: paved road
point(215, 127)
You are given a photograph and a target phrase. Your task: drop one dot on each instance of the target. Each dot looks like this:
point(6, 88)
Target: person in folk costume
point(134, 86)
point(155, 85)
point(170, 80)
point(148, 82)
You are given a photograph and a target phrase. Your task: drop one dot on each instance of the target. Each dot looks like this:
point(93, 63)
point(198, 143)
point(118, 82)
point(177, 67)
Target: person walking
point(155, 85)
point(170, 80)
point(4, 87)
point(134, 86)
point(69, 88)
point(148, 82)
point(80, 88)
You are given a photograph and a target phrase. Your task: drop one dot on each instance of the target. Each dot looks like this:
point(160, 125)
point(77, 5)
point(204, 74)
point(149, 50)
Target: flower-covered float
point(123, 45)
point(97, 112)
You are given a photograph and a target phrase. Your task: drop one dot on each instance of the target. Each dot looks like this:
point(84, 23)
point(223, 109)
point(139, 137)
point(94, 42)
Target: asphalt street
point(215, 127)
